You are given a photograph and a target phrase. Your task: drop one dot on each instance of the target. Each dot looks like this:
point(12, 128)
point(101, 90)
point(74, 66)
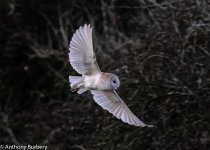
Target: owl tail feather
point(76, 83)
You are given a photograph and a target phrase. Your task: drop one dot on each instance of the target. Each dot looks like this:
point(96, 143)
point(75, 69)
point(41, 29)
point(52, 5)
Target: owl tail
point(76, 83)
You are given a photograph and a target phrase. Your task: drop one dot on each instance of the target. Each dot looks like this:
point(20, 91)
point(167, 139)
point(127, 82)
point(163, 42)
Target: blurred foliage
point(160, 49)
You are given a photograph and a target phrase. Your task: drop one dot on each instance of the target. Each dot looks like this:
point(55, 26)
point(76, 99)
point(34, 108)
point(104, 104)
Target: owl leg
point(77, 84)
point(76, 87)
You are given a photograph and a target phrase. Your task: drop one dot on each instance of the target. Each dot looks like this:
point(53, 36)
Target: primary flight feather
point(102, 85)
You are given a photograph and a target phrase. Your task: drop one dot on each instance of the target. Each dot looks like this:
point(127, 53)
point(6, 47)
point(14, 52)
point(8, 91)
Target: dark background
point(160, 49)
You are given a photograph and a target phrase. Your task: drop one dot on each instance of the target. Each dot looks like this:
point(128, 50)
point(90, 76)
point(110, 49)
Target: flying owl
point(102, 85)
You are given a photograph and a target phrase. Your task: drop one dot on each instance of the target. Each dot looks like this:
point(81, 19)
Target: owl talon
point(74, 89)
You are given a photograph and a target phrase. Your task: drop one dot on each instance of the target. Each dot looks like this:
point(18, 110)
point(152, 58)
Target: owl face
point(114, 82)
point(108, 81)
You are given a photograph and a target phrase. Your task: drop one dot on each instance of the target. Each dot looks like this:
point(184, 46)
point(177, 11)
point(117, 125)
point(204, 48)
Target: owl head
point(114, 82)
point(108, 81)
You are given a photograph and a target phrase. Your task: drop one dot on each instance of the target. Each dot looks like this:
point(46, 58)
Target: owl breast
point(90, 82)
point(98, 82)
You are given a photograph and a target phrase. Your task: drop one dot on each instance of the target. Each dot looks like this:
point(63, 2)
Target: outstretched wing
point(81, 55)
point(110, 101)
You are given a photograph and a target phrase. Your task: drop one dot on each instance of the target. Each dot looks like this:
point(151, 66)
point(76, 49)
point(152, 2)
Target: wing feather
point(81, 54)
point(110, 101)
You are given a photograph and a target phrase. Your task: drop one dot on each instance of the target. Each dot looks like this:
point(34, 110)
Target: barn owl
point(102, 85)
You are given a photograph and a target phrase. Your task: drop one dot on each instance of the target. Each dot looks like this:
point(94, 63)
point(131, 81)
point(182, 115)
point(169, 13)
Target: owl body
point(101, 81)
point(91, 82)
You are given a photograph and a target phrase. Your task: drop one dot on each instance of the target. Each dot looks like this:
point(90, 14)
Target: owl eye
point(114, 81)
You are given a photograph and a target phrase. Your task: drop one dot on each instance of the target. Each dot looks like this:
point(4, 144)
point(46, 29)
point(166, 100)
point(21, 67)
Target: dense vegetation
point(160, 49)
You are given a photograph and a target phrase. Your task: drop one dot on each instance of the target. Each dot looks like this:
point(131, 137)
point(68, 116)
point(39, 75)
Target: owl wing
point(110, 101)
point(81, 55)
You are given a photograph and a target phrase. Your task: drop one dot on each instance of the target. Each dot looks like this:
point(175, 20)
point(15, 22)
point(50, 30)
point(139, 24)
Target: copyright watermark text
point(23, 147)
